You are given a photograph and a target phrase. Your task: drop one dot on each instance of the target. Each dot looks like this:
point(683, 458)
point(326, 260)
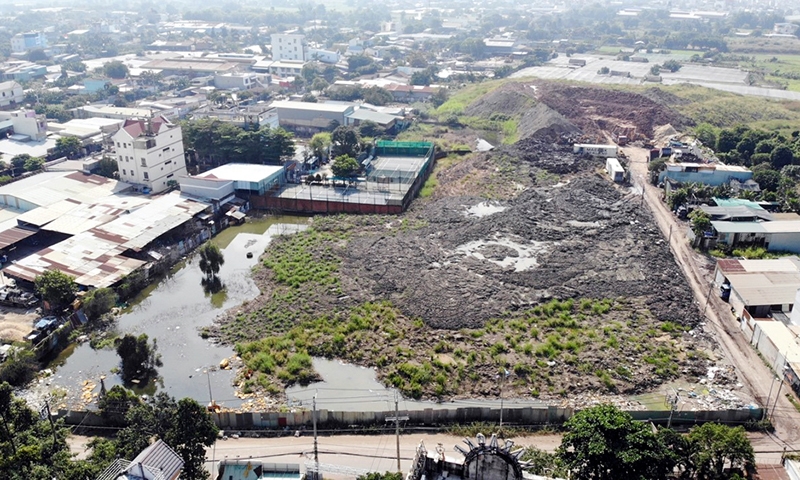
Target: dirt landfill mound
point(582, 238)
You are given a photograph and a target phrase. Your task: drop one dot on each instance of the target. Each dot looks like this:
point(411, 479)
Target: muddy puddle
point(351, 388)
point(172, 311)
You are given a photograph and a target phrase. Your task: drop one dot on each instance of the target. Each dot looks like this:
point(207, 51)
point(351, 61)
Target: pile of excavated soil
point(518, 100)
point(510, 99)
point(595, 110)
point(543, 122)
point(663, 97)
point(583, 239)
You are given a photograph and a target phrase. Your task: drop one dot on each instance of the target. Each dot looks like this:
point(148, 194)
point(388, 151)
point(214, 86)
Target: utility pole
point(673, 404)
point(501, 401)
point(781, 377)
point(314, 422)
point(708, 297)
point(769, 395)
point(46, 411)
point(396, 419)
point(397, 429)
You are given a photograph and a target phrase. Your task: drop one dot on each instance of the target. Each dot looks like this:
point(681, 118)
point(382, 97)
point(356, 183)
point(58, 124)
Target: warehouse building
point(310, 118)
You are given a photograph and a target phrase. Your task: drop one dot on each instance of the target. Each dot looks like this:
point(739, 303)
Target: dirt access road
point(751, 370)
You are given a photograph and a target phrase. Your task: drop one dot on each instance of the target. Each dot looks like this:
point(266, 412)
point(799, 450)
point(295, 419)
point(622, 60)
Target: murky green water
point(173, 311)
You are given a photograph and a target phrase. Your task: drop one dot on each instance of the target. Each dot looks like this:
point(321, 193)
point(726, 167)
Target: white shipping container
point(615, 170)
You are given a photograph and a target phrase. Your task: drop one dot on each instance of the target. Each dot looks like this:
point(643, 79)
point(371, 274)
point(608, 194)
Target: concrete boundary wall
point(429, 417)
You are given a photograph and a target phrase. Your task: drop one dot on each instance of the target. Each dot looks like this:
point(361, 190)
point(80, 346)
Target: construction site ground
point(504, 233)
point(15, 323)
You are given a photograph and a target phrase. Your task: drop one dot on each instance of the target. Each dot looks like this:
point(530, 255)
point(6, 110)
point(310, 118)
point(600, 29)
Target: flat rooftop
point(12, 148)
point(241, 172)
point(313, 107)
point(777, 226)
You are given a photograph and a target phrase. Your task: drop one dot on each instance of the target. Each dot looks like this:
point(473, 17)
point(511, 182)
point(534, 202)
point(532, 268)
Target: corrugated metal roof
point(783, 264)
point(726, 213)
point(783, 339)
point(739, 227)
point(782, 226)
point(14, 235)
point(158, 458)
point(314, 107)
point(94, 256)
point(765, 288)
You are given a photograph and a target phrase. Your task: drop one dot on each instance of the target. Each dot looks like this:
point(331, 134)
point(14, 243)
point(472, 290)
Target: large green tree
point(116, 69)
point(68, 146)
point(32, 448)
point(184, 425)
point(345, 141)
point(56, 288)
point(717, 446)
point(98, 302)
point(605, 443)
point(211, 259)
point(139, 359)
point(344, 166)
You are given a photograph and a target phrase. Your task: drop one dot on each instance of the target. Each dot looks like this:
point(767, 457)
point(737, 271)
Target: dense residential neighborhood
point(385, 241)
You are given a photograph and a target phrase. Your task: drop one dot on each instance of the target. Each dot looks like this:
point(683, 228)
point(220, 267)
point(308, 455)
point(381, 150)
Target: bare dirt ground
point(467, 275)
point(15, 323)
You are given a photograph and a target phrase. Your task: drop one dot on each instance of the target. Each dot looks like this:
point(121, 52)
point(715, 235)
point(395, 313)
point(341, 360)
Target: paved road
point(726, 79)
point(751, 370)
point(378, 452)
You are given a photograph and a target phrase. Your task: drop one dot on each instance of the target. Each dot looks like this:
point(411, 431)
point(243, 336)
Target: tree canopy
point(116, 69)
point(605, 443)
point(345, 141)
point(345, 166)
point(217, 143)
point(68, 147)
point(139, 359)
point(56, 288)
point(184, 425)
point(211, 259)
point(98, 302)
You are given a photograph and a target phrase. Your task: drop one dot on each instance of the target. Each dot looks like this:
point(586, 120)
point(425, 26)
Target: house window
point(144, 162)
point(117, 144)
point(146, 176)
point(124, 172)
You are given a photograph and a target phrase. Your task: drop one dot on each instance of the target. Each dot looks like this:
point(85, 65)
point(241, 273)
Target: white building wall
point(22, 42)
point(206, 188)
point(784, 242)
point(151, 167)
point(795, 315)
point(10, 93)
point(27, 122)
point(793, 469)
point(288, 47)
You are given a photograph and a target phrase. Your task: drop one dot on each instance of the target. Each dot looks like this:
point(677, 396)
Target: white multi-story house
point(26, 122)
point(289, 46)
point(23, 42)
point(10, 93)
point(150, 153)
